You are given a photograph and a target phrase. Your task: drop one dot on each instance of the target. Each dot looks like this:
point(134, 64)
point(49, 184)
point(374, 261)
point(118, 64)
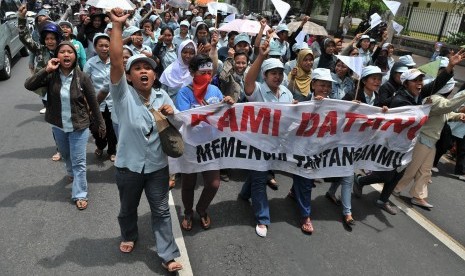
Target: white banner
point(314, 139)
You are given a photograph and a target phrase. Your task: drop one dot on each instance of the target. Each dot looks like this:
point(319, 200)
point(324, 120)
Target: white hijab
point(177, 74)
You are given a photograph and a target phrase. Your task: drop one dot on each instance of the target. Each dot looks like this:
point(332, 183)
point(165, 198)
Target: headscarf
point(303, 79)
point(327, 60)
point(177, 74)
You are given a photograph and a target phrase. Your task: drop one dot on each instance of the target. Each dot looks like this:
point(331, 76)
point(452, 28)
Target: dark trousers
point(389, 178)
point(156, 187)
point(460, 158)
point(211, 183)
point(110, 137)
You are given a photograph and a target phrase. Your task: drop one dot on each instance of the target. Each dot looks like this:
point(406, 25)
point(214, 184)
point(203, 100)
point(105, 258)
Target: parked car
point(10, 45)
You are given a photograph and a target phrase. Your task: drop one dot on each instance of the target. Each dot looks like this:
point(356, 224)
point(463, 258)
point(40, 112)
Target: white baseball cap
point(407, 60)
point(140, 57)
point(271, 63)
point(370, 70)
point(410, 74)
point(322, 74)
point(184, 23)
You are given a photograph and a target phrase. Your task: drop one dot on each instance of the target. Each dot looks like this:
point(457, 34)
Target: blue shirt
point(139, 147)
point(341, 87)
point(262, 93)
point(99, 73)
point(139, 51)
point(185, 99)
point(66, 101)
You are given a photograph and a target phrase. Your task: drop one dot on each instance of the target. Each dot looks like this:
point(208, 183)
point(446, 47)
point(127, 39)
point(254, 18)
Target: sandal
point(126, 246)
point(333, 199)
point(172, 266)
point(205, 221)
point(348, 220)
point(81, 204)
point(98, 152)
point(273, 184)
point(186, 223)
point(56, 156)
point(306, 226)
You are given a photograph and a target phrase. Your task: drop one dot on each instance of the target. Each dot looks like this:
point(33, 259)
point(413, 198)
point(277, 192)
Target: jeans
point(72, 146)
point(389, 178)
point(130, 186)
point(346, 183)
point(302, 188)
point(255, 188)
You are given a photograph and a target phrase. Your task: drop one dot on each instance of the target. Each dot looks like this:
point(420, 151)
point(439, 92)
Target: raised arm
point(118, 18)
point(252, 75)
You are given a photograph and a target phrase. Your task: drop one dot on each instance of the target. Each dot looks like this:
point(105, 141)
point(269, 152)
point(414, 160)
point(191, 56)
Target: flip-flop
point(306, 226)
point(81, 204)
point(172, 266)
point(186, 223)
point(129, 246)
point(56, 157)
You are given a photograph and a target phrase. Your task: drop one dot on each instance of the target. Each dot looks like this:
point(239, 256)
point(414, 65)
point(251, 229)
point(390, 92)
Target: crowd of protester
point(101, 73)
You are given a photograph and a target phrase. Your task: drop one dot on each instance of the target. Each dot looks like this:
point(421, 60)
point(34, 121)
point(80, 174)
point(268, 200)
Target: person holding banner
point(412, 92)
point(419, 170)
point(370, 82)
point(199, 93)
point(271, 90)
point(141, 164)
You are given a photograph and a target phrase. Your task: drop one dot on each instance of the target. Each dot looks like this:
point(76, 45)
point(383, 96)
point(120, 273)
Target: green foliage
point(459, 5)
point(402, 20)
point(456, 38)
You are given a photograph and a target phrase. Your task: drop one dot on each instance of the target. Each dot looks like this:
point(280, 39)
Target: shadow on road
point(30, 107)
point(86, 252)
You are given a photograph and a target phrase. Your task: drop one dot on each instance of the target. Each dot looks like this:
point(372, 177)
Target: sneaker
point(261, 232)
point(42, 111)
point(462, 177)
point(357, 189)
point(421, 202)
point(434, 169)
point(386, 207)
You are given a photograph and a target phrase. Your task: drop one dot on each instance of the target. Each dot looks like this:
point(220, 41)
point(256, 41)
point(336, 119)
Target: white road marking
point(184, 259)
point(429, 226)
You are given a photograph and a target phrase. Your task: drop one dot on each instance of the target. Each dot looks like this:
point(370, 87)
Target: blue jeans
point(72, 146)
point(346, 183)
point(302, 188)
point(130, 186)
point(255, 188)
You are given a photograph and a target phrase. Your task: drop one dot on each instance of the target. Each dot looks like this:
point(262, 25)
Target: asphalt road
point(42, 233)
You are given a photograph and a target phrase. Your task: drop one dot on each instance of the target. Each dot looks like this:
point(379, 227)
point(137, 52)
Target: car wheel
point(24, 52)
point(5, 73)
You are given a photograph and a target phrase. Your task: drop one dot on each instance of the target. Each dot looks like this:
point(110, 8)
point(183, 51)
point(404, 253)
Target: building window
point(415, 4)
point(428, 5)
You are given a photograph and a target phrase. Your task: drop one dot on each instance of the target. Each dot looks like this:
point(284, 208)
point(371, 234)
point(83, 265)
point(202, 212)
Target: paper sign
point(375, 20)
point(281, 7)
point(393, 6)
point(397, 27)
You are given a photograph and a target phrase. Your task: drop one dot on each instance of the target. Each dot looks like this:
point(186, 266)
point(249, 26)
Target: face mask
point(200, 86)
